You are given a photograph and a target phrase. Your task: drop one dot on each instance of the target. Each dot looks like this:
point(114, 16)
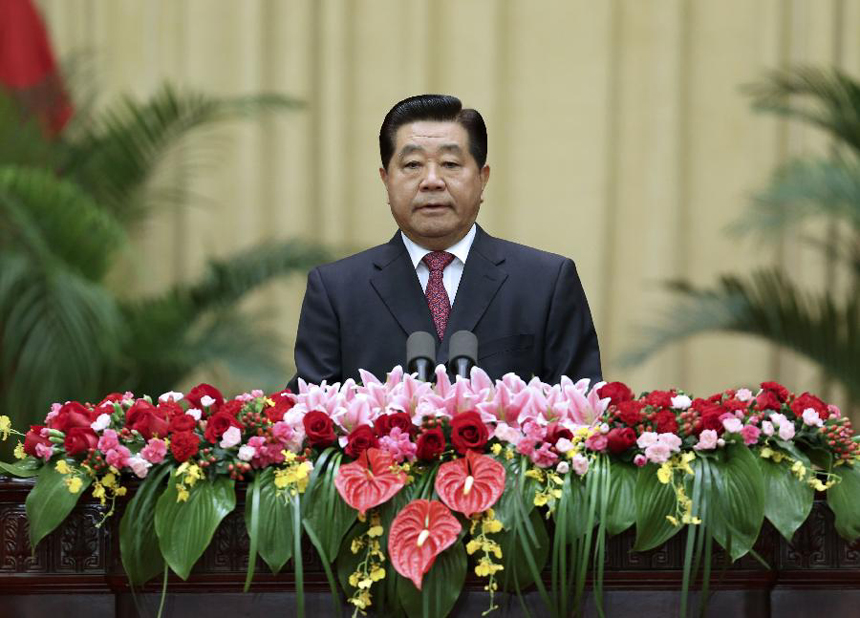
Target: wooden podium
point(76, 572)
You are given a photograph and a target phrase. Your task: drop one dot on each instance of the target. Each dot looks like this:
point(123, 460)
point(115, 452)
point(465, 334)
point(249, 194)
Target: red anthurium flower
point(368, 481)
point(471, 484)
point(419, 533)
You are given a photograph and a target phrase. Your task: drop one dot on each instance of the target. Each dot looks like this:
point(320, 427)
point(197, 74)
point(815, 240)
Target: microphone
point(421, 354)
point(463, 348)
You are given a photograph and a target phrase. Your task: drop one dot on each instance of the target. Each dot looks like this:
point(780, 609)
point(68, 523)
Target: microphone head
point(420, 344)
point(463, 344)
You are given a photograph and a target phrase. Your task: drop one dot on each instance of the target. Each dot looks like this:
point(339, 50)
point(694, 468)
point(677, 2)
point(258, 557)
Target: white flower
point(139, 466)
point(194, 413)
point(778, 419)
point(786, 430)
point(810, 417)
point(231, 437)
point(206, 401)
point(707, 440)
point(579, 464)
point(681, 402)
point(506, 433)
point(646, 439)
point(743, 394)
point(247, 452)
point(767, 428)
point(604, 428)
point(563, 445)
point(563, 468)
point(101, 423)
point(733, 425)
point(670, 440)
point(175, 396)
point(721, 443)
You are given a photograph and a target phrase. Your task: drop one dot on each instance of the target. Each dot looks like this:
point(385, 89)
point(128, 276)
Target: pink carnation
point(398, 445)
point(750, 434)
point(544, 457)
point(707, 440)
point(154, 451)
point(282, 432)
point(108, 441)
point(597, 442)
point(118, 457)
point(45, 452)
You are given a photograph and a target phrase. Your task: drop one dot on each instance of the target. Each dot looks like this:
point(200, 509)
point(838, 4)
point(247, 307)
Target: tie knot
point(438, 260)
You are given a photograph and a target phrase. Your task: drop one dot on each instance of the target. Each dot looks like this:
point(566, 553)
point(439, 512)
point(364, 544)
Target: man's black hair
point(441, 107)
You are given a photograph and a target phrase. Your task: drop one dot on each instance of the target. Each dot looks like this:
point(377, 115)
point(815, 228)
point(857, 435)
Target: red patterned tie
point(437, 297)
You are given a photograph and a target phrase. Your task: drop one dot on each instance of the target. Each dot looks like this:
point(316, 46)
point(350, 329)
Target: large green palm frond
point(57, 331)
point(192, 325)
point(826, 98)
point(116, 155)
point(768, 305)
point(55, 223)
point(22, 138)
point(812, 188)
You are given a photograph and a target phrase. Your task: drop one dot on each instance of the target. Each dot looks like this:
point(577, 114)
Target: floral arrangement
point(400, 484)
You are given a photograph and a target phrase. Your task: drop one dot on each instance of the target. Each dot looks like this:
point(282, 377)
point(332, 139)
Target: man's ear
point(485, 176)
point(383, 175)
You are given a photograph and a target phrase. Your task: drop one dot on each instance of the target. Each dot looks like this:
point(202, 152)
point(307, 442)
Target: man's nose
point(432, 180)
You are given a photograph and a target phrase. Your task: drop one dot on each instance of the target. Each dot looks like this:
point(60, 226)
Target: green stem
point(163, 591)
point(254, 531)
point(298, 568)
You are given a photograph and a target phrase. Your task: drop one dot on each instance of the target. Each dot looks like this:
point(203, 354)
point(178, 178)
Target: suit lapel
point(481, 280)
point(397, 285)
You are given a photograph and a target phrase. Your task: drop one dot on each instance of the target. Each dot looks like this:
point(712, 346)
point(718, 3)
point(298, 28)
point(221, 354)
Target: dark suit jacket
point(526, 307)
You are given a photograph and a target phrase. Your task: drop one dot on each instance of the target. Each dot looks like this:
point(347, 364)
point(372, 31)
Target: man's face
point(433, 182)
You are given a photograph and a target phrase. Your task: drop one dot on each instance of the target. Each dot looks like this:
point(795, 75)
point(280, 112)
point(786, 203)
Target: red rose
point(384, 423)
point(616, 391)
point(184, 445)
point(777, 389)
point(33, 438)
point(659, 399)
point(71, 415)
point(219, 423)
point(555, 432)
point(630, 412)
point(170, 409)
point(319, 429)
point(430, 444)
point(711, 419)
point(665, 422)
point(767, 400)
point(619, 440)
point(198, 392)
point(284, 402)
point(185, 422)
point(468, 432)
point(733, 405)
point(148, 420)
point(360, 439)
point(80, 440)
point(807, 400)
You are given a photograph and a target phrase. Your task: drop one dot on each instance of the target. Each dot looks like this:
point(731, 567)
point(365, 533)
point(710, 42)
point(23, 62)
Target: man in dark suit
point(441, 272)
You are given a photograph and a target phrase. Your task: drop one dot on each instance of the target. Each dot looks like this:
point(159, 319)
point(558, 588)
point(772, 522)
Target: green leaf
point(141, 558)
point(516, 566)
point(23, 469)
point(440, 587)
point(621, 510)
point(788, 501)
point(736, 500)
point(511, 496)
point(654, 501)
point(325, 515)
point(577, 507)
point(185, 529)
point(844, 501)
point(50, 502)
point(276, 523)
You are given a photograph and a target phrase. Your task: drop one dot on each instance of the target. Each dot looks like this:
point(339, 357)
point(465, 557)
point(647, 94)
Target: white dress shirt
point(453, 272)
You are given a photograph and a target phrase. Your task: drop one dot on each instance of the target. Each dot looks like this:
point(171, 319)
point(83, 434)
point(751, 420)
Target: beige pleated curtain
point(618, 137)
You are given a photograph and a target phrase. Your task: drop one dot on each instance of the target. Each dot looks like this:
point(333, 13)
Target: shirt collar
point(460, 249)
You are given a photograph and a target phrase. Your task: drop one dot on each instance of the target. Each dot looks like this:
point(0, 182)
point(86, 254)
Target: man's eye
point(412, 165)
point(451, 164)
